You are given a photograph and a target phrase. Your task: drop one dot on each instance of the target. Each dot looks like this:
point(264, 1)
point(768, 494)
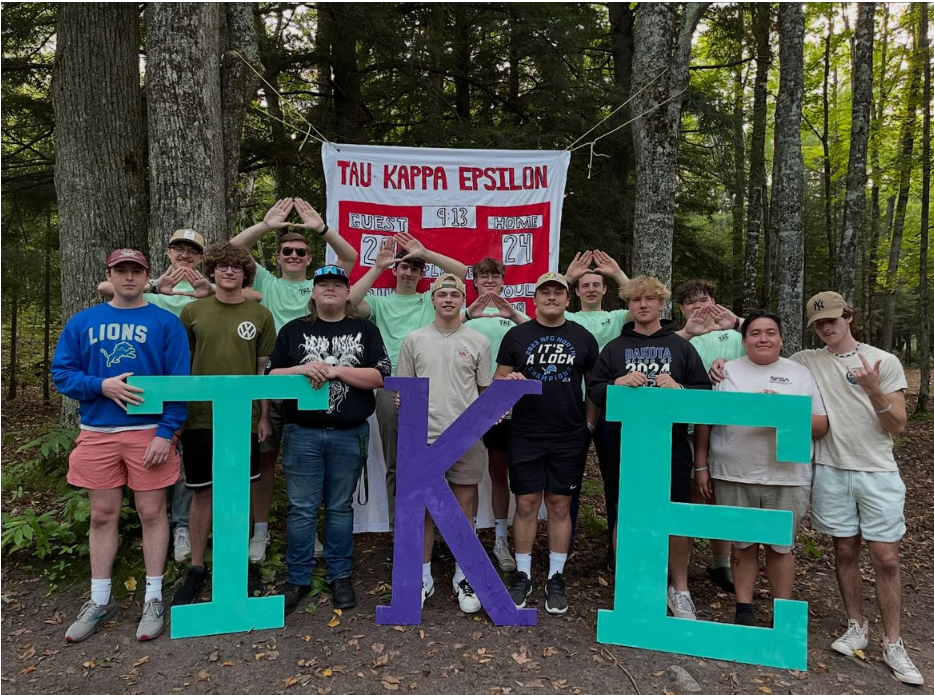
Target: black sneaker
point(556, 595)
point(746, 619)
point(191, 588)
point(520, 588)
point(722, 577)
point(254, 582)
point(342, 593)
point(293, 593)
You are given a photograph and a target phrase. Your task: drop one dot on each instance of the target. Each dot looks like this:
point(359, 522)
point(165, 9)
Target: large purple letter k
point(420, 485)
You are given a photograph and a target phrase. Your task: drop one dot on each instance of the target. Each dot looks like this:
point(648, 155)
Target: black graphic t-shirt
point(559, 357)
point(350, 342)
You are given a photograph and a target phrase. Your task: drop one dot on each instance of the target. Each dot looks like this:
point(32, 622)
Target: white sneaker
point(319, 547)
point(182, 543)
point(504, 558)
point(855, 637)
point(681, 605)
point(428, 590)
point(466, 598)
point(258, 548)
point(894, 654)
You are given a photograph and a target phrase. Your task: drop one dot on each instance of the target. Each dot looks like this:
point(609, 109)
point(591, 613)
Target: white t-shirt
point(747, 454)
point(456, 363)
point(856, 441)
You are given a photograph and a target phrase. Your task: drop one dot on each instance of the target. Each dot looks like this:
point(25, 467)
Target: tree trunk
point(739, 170)
point(924, 314)
point(855, 206)
point(348, 100)
point(660, 70)
point(100, 168)
point(186, 129)
point(757, 175)
point(238, 87)
point(788, 186)
point(47, 313)
point(622, 19)
point(906, 151)
point(11, 384)
point(825, 146)
point(462, 56)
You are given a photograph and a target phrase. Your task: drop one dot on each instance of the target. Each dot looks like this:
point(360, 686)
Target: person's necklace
point(445, 334)
point(845, 355)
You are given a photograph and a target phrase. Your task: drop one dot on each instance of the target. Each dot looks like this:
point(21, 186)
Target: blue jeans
point(321, 464)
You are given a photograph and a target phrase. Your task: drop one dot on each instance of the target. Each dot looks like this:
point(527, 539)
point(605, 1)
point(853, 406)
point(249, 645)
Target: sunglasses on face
point(224, 267)
point(288, 251)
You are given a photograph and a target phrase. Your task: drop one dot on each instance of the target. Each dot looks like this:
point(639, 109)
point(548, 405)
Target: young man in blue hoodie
point(99, 348)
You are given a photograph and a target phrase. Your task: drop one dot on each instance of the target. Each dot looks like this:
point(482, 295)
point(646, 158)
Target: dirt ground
point(323, 653)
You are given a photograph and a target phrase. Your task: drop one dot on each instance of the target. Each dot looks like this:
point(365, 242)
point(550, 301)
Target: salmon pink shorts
point(107, 460)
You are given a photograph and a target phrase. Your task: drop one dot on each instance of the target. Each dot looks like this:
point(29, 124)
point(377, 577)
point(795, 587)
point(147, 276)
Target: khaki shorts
point(792, 498)
point(468, 469)
point(274, 440)
point(108, 460)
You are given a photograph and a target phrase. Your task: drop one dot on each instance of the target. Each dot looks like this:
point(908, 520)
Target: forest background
point(779, 150)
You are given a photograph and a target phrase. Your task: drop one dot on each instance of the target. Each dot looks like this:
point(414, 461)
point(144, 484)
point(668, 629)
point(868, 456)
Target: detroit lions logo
point(550, 369)
point(121, 350)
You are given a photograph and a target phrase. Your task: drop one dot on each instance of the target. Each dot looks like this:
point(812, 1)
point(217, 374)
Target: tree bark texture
point(906, 152)
point(349, 115)
point(788, 186)
point(622, 17)
point(100, 167)
point(186, 145)
point(854, 209)
point(829, 230)
point(662, 55)
point(761, 24)
point(924, 307)
point(238, 87)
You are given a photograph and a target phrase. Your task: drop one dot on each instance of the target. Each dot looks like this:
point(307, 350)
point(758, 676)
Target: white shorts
point(848, 503)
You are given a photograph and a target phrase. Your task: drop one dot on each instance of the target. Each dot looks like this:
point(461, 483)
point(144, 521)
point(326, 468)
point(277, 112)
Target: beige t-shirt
point(747, 454)
point(456, 364)
point(856, 441)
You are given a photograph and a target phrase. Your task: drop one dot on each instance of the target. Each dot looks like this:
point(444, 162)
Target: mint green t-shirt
point(285, 299)
point(494, 328)
point(603, 325)
point(172, 302)
point(397, 315)
point(726, 344)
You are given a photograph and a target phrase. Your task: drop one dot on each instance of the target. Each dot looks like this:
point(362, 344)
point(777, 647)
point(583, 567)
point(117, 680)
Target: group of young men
point(539, 450)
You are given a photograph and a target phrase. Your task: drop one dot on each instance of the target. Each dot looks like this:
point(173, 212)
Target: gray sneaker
point(152, 623)
point(90, 619)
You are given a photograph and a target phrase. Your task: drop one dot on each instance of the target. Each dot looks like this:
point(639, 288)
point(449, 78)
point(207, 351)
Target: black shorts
point(682, 466)
point(199, 458)
point(497, 437)
point(554, 465)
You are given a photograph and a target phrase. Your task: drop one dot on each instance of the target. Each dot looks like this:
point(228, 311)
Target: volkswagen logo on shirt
point(246, 330)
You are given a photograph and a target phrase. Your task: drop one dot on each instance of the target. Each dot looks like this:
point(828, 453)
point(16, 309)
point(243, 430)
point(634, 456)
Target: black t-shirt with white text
point(559, 357)
point(350, 342)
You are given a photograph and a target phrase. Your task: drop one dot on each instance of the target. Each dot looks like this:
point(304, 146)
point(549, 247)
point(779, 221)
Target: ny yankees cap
point(127, 256)
point(190, 236)
point(448, 282)
point(825, 305)
point(551, 277)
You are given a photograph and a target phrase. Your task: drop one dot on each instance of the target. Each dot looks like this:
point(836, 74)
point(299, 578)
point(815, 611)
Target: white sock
point(556, 563)
point(524, 563)
point(458, 573)
point(153, 588)
point(100, 591)
point(426, 574)
point(261, 529)
point(502, 528)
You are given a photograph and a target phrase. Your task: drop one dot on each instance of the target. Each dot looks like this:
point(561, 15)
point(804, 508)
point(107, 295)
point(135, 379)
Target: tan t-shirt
point(856, 441)
point(456, 364)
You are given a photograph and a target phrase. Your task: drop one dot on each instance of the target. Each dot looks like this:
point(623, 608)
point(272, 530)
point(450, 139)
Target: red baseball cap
point(127, 256)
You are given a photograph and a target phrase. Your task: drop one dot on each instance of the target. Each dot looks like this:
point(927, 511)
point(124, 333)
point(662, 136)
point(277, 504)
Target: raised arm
point(415, 249)
point(346, 253)
point(384, 259)
point(578, 266)
point(276, 218)
point(607, 266)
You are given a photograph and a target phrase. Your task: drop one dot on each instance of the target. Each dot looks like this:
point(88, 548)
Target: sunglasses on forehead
point(330, 270)
point(289, 250)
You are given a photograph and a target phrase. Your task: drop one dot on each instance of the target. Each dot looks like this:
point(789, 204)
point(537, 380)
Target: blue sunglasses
point(330, 270)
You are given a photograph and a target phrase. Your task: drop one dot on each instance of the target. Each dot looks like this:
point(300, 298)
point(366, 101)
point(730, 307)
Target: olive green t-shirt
point(225, 339)
point(397, 315)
